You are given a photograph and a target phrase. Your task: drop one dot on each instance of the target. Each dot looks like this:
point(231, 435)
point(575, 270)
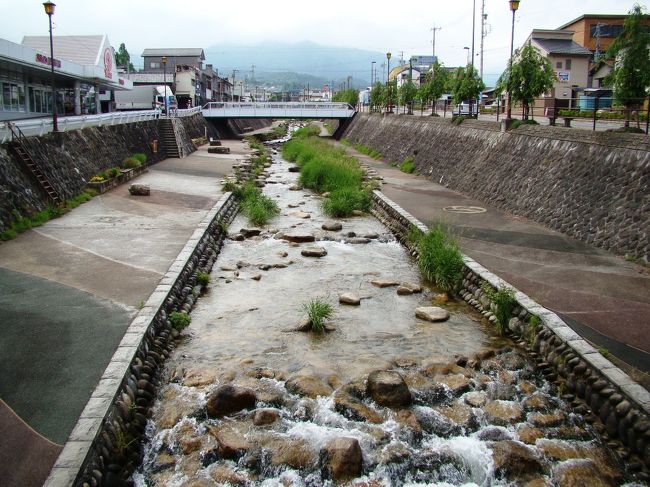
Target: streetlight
point(372, 72)
point(390, 108)
point(163, 60)
point(514, 5)
point(49, 10)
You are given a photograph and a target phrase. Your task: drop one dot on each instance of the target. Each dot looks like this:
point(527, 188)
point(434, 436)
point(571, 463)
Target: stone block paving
point(69, 289)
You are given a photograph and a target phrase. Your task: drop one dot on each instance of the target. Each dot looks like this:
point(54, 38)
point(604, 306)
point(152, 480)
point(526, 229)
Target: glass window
point(154, 65)
point(558, 65)
point(6, 96)
point(567, 63)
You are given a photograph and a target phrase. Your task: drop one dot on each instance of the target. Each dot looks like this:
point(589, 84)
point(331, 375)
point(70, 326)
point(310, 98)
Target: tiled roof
point(562, 46)
point(175, 52)
point(79, 49)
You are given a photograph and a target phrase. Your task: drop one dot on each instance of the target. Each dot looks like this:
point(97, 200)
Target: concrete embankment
point(591, 186)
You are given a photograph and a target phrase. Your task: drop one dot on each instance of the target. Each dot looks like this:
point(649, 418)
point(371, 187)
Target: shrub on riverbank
point(440, 260)
point(257, 207)
point(324, 168)
point(408, 166)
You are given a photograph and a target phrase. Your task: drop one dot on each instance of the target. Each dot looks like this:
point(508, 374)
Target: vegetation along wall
point(592, 186)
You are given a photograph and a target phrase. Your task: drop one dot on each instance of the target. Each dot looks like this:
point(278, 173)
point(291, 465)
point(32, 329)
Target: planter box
point(103, 186)
point(125, 175)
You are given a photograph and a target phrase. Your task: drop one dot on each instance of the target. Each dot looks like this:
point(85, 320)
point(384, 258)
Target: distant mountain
point(295, 63)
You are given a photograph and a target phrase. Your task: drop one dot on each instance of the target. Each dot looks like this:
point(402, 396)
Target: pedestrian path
point(600, 295)
point(69, 289)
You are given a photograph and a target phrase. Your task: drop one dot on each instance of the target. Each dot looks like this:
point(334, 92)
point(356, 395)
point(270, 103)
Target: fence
point(41, 126)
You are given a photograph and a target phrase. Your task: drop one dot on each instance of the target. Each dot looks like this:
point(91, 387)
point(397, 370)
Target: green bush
point(131, 163)
point(504, 302)
point(259, 209)
point(113, 172)
point(202, 278)
point(342, 202)
point(179, 320)
point(408, 166)
point(318, 311)
point(307, 131)
point(458, 119)
point(440, 260)
point(139, 156)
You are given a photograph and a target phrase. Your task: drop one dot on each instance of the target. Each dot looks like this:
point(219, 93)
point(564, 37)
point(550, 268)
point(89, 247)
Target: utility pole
point(597, 51)
point(484, 32)
point(234, 84)
point(383, 76)
point(433, 42)
point(473, 28)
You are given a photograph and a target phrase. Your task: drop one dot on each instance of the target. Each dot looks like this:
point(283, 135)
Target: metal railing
point(41, 126)
point(278, 109)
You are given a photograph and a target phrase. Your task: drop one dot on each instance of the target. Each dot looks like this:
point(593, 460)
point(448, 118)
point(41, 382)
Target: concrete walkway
point(601, 296)
point(69, 289)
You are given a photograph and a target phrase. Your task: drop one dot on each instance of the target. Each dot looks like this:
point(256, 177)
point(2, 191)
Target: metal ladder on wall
point(17, 143)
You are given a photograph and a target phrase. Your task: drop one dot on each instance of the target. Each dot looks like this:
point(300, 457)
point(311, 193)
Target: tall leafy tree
point(407, 93)
point(436, 85)
point(630, 77)
point(532, 76)
point(466, 84)
point(123, 59)
point(348, 96)
point(378, 96)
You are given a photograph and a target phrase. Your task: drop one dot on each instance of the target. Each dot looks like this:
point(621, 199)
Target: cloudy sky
point(381, 26)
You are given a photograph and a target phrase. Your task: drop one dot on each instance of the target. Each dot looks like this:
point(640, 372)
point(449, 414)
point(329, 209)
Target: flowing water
point(481, 415)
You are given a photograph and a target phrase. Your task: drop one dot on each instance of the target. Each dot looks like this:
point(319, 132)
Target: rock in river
point(298, 237)
point(388, 388)
point(229, 399)
point(349, 298)
point(432, 313)
point(314, 252)
point(342, 459)
point(332, 226)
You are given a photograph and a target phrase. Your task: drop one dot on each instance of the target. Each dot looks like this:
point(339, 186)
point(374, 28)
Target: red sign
point(108, 64)
point(40, 58)
point(121, 81)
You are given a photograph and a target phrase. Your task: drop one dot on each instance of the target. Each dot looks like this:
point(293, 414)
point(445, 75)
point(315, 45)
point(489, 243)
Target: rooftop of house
point(175, 52)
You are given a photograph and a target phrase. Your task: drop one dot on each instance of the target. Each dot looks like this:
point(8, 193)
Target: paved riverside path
point(604, 298)
point(69, 289)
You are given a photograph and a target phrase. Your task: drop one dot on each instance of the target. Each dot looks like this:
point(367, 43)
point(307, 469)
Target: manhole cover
point(466, 210)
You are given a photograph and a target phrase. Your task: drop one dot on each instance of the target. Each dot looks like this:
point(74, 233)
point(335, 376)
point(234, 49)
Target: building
point(185, 65)
point(569, 60)
point(84, 71)
point(423, 62)
point(402, 73)
point(597, 32)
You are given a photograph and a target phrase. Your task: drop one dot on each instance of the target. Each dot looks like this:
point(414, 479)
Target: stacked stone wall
point(592, 186)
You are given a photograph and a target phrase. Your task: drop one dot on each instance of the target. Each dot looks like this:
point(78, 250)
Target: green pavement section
point(56, 343)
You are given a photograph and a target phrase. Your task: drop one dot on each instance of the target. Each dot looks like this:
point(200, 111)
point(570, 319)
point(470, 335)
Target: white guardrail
point(278, 110)
point(41, 126)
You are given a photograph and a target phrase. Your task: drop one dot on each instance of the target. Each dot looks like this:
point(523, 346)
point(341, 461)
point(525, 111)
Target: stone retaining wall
point(103, 448)
point(605, 392)
point(590, 185)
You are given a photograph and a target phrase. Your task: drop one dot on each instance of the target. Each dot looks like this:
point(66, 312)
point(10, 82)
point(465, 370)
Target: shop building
point(84, 73)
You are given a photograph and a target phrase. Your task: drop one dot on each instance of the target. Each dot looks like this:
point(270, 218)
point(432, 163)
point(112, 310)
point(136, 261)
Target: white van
point(463, 109)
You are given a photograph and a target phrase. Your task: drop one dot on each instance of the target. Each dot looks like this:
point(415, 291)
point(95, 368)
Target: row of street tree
point(529, 76)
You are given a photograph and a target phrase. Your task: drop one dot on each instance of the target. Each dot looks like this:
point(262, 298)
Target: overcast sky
point(381, 26)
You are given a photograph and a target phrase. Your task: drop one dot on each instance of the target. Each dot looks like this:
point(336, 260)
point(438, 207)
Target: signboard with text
point(563, 75)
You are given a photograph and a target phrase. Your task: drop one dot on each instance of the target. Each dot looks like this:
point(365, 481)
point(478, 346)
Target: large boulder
point(342, 459)
point(230, 399)
point(388, 388)
point(298, 237)
point(432, 313)
point(231, 439)
point(516, 461)
point(139, 190)
point(579, 472)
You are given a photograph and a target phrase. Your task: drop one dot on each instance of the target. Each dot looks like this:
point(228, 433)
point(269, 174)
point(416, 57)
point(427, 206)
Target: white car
point(463, 109)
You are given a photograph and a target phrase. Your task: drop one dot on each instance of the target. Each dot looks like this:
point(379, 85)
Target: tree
point(532, 76)
point(630, 78)
point(435, 86)
point(347, 96)
point(466, 84)
point(378, 96)
point(123, 59)
point(407, 93)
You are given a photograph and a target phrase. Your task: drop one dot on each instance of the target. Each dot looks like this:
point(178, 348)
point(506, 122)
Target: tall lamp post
point(389, 108)
point(163, 60)
point(49, 10)
point(514, 5)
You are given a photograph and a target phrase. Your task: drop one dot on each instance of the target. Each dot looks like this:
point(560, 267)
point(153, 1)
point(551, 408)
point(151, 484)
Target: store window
point(13, 97)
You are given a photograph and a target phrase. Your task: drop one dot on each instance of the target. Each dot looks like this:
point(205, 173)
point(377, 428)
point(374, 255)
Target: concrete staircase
point(169, 138)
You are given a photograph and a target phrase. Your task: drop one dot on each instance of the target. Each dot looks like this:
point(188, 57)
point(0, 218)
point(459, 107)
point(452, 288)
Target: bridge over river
point(278, 110)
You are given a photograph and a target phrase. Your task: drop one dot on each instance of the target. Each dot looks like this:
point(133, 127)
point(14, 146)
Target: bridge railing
point(278, 109)
point(41, 126)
